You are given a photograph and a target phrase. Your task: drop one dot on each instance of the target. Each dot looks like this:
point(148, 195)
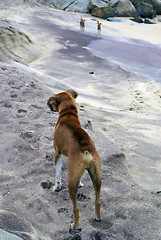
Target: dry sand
point(43, 51)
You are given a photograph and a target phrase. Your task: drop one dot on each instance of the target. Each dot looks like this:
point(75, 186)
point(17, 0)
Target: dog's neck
point(68, 110)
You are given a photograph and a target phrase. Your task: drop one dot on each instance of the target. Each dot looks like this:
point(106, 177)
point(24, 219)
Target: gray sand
point(119, 108)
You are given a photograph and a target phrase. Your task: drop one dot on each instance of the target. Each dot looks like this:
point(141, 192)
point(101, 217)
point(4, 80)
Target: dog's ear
point(53, 103)
point(74, 93)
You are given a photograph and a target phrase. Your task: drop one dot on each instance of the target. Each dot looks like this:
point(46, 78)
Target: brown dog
point(99, 27)
point(72, 141)
point(82, 24)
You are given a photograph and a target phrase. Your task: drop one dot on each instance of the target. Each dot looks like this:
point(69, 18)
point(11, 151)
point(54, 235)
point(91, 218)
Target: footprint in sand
point(136, 103)
point(21, 113)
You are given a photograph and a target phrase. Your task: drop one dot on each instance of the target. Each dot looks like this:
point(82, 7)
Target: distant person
point(82, 24)
point(99, 27)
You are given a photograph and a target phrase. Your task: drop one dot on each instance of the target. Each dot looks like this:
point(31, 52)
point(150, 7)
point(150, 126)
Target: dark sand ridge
point(129, 211)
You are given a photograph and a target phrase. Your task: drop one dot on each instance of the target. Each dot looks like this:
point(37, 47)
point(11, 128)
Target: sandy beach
point(117, 75)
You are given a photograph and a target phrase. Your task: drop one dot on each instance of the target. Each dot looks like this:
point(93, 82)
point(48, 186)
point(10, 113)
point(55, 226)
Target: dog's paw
point(57, 187)
point(80, 184)
point(74, 230)
point(98, 219)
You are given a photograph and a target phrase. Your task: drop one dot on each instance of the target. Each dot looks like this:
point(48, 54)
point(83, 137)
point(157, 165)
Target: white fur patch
point(80, 184)
point(58, 184)
point(87, 156)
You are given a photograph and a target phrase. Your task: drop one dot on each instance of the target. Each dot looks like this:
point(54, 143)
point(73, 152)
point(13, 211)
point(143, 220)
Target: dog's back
point(72, 135)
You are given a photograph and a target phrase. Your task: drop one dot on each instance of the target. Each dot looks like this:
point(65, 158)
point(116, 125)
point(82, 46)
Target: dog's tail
point(87, 156)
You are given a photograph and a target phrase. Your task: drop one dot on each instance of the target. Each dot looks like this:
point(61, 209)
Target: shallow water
point(141, 58)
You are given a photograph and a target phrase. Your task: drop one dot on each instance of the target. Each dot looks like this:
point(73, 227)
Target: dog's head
point(63, 100)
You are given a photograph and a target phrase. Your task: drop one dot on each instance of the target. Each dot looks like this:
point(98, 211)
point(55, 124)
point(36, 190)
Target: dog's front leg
point(58, 164)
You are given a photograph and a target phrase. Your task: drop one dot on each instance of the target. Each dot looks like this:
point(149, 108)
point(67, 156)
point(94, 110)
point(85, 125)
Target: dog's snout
point(53, 103)
point(50, 106)
point(48, 102)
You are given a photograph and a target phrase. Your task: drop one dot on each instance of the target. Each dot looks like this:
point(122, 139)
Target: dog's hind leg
point(95, 174)
point(58, 164)
point(75, 174)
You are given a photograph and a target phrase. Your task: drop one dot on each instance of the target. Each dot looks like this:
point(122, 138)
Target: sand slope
point(119, 109)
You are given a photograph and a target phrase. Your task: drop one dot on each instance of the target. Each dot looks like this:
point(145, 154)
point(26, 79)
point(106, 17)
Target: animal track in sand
point(46, 185)
point(82, 197)
point(138, 100)
point(21, 113)
point(138, 96)
point(104, 224)
point(62, 210)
